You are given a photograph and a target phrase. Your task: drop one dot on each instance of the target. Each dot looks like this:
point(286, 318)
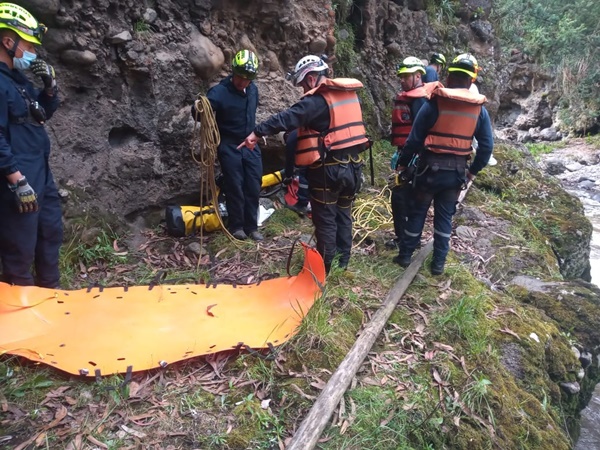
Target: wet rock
point(394, 49)
point(483, 30)
point(550, 134)
point(204, 56)
point(585, 359)
point(273, 61)
point(554, 166)
point(194, 249)
point(84, 58)
point(317, 46)
point(57, 39)
point(43, 10)
point(571, 387)
point(573, 166)
point(122, 37)
point(149, 15)
point(587, 185)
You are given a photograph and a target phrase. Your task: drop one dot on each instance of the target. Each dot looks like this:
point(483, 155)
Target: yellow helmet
point(19, 20)
point(438, 58)
point(411, 64)
point(245, 64)
point(466, 63)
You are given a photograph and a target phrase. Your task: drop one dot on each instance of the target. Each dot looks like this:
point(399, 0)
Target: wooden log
point(315, 422)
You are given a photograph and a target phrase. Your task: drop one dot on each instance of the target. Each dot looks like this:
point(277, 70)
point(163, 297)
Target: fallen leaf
point(438, 378)
point(511, 332)
point(136, 433)
point(208, 308)
point(444, 347)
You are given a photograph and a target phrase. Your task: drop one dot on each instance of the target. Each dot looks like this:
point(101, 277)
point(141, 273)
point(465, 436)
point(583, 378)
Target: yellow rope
point(205, 141)
point(370, 214)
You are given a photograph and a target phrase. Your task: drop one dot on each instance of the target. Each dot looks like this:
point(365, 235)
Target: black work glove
point(25, 196)
point(287, 181)
point(45, 71)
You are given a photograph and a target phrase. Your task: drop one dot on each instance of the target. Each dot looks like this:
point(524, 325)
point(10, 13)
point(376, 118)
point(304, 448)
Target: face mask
point(25, 61)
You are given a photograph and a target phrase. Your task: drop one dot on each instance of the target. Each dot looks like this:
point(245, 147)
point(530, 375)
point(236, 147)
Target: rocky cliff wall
point(129, 71)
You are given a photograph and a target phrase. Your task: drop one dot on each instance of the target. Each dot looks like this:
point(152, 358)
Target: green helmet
point(245, 64)
point(411, 64)
point(438, 58)
point(19, 20)
point(465, 63)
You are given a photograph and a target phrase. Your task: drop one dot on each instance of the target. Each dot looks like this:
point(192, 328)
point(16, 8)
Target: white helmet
point(306, 65)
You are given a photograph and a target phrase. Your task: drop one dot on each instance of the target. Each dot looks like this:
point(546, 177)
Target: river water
point(583, 163)
point(590, 416)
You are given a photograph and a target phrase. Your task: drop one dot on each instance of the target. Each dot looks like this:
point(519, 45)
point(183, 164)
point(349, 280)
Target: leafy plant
point(476, 397)
point(140, 26)
point(564, 37)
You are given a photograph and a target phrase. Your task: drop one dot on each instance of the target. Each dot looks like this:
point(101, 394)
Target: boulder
point(77, 57)
point(204, 56)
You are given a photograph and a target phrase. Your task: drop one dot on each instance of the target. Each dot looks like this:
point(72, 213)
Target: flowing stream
point(590, 416)
point(581, 177)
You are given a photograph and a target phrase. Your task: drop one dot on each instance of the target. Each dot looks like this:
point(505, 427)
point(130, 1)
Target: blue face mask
point(25, 61)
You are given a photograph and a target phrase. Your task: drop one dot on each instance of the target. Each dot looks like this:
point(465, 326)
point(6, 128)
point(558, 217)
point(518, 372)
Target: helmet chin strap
point(12, 51)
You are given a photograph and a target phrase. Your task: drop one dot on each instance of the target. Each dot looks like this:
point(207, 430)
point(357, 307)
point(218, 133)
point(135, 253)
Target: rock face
point(128, 76)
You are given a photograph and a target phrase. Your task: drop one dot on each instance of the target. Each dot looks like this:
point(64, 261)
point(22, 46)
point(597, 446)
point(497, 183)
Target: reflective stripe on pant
point(242, 172)
point(333, 187)
point(31, 239)
point(443, 188)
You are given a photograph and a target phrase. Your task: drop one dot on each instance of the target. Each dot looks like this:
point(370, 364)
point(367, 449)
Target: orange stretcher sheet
point(139, 328)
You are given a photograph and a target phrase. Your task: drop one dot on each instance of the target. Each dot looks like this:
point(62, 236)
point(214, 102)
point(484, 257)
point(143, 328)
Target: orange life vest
point(402, 118)
point(346, 127)
point(458, 114)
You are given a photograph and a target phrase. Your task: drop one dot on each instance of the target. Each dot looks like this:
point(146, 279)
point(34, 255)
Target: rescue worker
point(31, 230)
point(414, 93)
point(331, 136)
point(443, 132)
point(234, 101)
point(437, 62)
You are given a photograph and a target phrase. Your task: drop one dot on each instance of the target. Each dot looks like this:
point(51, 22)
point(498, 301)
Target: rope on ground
point(370, 214)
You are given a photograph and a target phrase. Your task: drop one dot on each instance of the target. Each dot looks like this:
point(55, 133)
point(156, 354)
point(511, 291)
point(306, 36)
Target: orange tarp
point(141, 327)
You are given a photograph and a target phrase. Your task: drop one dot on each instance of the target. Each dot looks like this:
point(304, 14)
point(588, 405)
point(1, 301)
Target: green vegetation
point(456, 366)
point(442, 15)
point(542, 148)
point(565, 37)
point(140, 26)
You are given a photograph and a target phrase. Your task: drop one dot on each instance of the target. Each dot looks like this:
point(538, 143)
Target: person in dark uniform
point(432, 72)
point(331, 136)
point(407, 103)
point(31, 228)
point(443, 131)
point(234, 101)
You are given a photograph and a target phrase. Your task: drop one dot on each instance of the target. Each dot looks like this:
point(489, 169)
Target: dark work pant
point(333, 187)
point(291, 143)
point(443, 188)
point(401, 202)
point(303, 192)
point(31, 239)
point(242, 172)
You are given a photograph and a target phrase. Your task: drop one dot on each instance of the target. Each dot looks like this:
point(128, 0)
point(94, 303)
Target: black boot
point(403, 260)
point(437, 266)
